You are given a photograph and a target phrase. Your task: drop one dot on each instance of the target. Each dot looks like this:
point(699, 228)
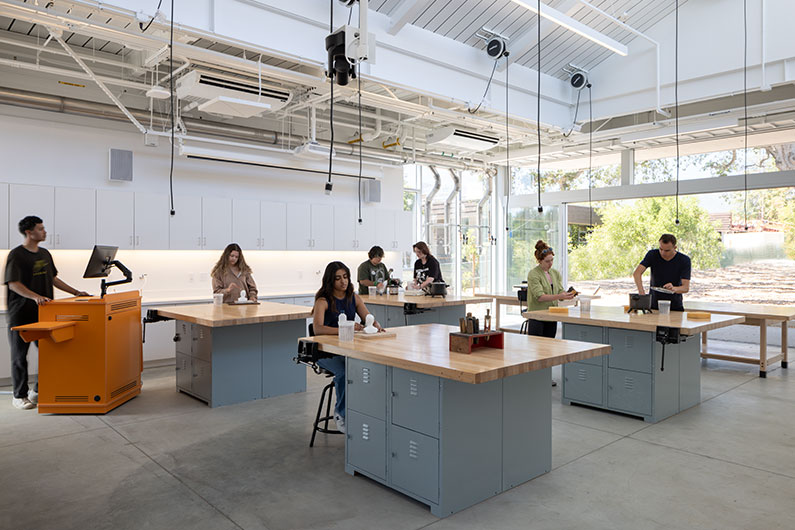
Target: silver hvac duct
point(447, 202)
point(10, 96)
point(437, 183)
point(482, 202)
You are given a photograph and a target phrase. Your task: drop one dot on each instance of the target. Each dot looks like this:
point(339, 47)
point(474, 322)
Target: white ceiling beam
point(405, 13)
point(575, 26)
point(523, 42)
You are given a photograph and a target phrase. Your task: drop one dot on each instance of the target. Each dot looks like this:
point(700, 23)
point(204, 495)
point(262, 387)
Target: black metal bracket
point(127, 276)
point(152, 316)
point(667, 335)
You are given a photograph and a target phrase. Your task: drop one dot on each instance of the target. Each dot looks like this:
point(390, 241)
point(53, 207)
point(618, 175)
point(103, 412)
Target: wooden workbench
point(639, 377)
point(501, 299)
point(755, 315)
point(414, 424)
point(233, 353)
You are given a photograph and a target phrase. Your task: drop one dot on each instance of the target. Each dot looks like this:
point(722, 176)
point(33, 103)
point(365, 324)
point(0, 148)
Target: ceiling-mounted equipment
point(496, 48)
point(573, 25)
point(158, 92)
point(578, 77)
point(349, 45)
point(313, 150)
point(230, 95)
point(461, 139)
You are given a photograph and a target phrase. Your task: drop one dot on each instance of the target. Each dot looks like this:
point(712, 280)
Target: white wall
point(43, 148)
point(710, 56)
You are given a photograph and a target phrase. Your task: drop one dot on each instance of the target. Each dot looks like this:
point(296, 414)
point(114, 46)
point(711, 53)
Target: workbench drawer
point(366, 443)
point(631, 350)
point(585, 334)
point(366, 390)
point(414, 464)
point(415, 401)
point(582, 382)
point(629, 391)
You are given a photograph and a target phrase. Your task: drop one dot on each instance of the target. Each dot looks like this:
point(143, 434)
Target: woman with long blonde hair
point(232, 274)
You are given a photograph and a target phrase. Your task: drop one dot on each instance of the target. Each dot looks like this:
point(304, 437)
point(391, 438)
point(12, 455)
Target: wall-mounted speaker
point(372, 190)
point(121, 165)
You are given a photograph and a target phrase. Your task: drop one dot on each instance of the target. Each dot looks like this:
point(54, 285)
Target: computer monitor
point(100, 262)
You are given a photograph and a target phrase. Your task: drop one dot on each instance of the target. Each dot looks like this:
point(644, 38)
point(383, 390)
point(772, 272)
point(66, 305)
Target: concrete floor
point(165, 460)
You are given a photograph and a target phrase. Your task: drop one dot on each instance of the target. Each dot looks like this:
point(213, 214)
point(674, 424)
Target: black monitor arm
point(127, 276)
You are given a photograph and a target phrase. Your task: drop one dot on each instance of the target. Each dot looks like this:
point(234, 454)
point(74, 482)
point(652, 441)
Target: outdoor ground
point(759, 282)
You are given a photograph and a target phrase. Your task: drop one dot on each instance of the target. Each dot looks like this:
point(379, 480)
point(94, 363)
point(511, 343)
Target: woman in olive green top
point(544, 289)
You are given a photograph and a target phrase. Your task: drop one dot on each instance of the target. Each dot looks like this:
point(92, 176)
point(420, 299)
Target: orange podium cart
point(90, 352)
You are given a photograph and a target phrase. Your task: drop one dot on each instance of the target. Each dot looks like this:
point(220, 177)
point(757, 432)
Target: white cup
point(371, 290)
point(218, 299)
point(346, 331)
point(665, 306)
point(585, 304)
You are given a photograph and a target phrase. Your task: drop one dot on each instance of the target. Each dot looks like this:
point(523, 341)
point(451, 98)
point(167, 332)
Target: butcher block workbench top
point(425, 349)
point(235, 315)
point(615, 317)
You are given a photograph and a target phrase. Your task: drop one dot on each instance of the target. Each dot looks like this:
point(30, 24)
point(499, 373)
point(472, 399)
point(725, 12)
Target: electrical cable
point(676, 103)
point(361, 136)
point(488, 85)
point(331, 102)
point(538, 110)
point(141, 24)
point(590, 152)
point(745, 107)
point(507, 151)
point(576, 112)
point(173, 108)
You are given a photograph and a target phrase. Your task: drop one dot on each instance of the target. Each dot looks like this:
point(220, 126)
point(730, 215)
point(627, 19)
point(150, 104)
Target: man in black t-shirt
point(29, 278)
point(670, 270)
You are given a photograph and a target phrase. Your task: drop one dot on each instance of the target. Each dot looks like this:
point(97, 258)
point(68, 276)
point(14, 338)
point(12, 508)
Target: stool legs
point(328, 389)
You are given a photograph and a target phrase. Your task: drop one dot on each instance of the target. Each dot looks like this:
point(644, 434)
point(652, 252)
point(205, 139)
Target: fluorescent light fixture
point(553, 15)
point(686, 128)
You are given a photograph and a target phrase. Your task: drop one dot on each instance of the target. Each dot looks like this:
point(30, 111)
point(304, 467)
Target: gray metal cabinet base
point(445, 443)
point(631, 380)
point(232, 364)
point(392, 316)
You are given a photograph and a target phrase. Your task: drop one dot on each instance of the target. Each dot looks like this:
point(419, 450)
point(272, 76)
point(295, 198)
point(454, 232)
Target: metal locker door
point(584, 333)
point(202, 379)
point(366, 443)
point(629, 391)
point(203, 342)
point(414, 463)
point(582, 382)
point(415, 401)
point(366, 388)
point(183, 337)
point(184, 372)
point(632, 350)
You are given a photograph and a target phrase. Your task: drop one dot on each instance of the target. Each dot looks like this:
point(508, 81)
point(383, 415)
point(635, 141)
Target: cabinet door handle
point(137, 241)
point(204, 241)
point(198, 241)
point(131, 240)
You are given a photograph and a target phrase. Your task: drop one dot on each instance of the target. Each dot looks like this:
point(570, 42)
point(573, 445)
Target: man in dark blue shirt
point(670, 270)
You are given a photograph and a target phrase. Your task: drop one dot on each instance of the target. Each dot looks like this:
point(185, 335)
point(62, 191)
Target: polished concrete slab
point(165, 460)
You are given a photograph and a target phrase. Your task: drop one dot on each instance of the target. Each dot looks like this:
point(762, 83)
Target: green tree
point(616, 246)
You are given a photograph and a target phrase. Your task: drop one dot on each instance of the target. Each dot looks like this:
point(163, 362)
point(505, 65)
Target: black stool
point(522, 295)
point(309, 357)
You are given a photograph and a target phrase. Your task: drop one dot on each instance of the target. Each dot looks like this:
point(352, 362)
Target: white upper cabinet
point(24, 200)
point(366, 233)
point(246, 223)
point(273, 226)
point(299, 226)
point(4, 224)
point(115, 218)
point(75, 218)
point(216, 223)
point(185, 227)
point(404, 230)
point(152, 221)
point(322, 233)
point(345, 228)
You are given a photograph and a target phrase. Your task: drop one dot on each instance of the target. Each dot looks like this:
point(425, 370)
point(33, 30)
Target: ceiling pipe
point(437, 184)
point(10, 96)
point(447, 202)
